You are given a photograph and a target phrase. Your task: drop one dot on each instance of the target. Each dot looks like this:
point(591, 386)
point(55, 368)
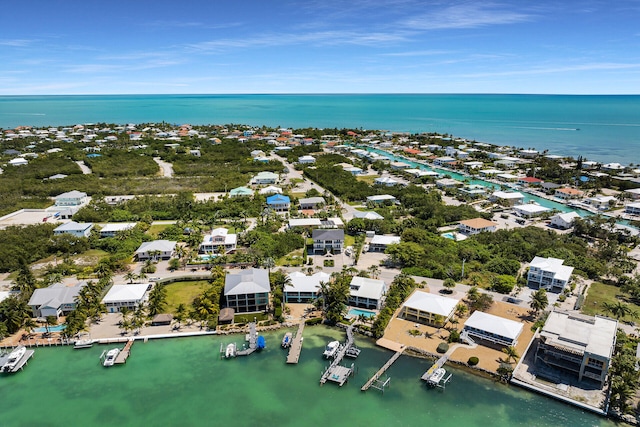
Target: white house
point(303, 288)
point(265, 177)
point(430, 309)
point(549, 273)
point(476, 226)
point(328, 240)
point(371, 215)
point(18, 161)
point(71, 198)
point(601, 202)
point(497, 330)
point(155, 250)
point(366, 293)
point(56, 300)
point(218, 238)
point(247, 291)
point(129, 296)
point(111, 229)
point(509, 197)
point(306, 160)
point(311, 203)
point(632, 208)
point(564, 220)
point(386, 181)
point(78, 229)
point(379, 243)
point(381, 198)
point(529, 210)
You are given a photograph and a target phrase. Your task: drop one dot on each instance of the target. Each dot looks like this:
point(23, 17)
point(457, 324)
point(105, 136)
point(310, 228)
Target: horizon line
point(326, 93)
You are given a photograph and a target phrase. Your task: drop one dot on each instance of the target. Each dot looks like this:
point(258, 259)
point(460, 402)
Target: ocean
point(599, 127)
point(183, 382)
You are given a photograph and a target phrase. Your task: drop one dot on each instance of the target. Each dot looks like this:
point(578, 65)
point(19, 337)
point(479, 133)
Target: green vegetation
point(442, 348)
point(601, 295)
point(183, 293)
point(399, 290)
point(623, 374)
point(473, 361)
point(120, 163)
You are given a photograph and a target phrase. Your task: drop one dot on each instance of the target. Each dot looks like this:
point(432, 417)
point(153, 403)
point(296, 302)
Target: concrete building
point(430, 309)
point(328, 240)
point(548, 273)
point(248, 290)
point(564, 221)
point(476, 226)
point(130, 296)
point(156, 250)
point(77, 229)
point(303, 288)
point(379, 243)
point(110, 230)
point(56, 300)
point(219, 238)
point(366, 293)
point(279, 203)
point(494, 329)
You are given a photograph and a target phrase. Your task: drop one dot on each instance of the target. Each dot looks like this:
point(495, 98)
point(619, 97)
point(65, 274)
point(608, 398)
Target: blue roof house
point(279, 203)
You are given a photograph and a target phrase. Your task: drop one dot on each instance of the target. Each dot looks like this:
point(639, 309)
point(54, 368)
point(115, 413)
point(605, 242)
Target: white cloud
point(16, 42)
point(467, 15)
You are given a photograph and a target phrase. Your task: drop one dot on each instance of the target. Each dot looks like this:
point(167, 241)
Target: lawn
point(156, 229)
point(183, 293)
point(600, 293)
point(367, 178)
point(349, 240)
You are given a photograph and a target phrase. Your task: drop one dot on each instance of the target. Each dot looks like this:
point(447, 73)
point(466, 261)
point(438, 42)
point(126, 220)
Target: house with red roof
point(529, 181)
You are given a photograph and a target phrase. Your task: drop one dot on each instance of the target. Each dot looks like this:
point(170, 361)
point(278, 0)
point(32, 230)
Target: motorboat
point(261, 343)
point(14, 357)
point(83, 341)
point(110, 357)
point(436, 376)
point(286, 340)
point(331, 349)
point(230, 351)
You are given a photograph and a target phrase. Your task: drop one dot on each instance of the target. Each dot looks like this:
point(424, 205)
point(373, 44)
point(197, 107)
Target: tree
point(50, 321)
point(374, 271)
point(130, 276)
point(157, 300)
point(449, 284)
point(539, 301)
point(618, 310)
point(29, 325)
point(511, 352)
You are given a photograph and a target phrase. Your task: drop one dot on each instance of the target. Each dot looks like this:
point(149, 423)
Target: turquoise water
point(354, 312)
point(599, 127)
point(451, 236)
point(183, 382)
point(56, 328)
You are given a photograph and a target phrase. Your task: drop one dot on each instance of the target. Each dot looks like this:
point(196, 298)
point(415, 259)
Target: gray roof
point(157, 245)
point(579, 333)
point(55, 295)
point(250, 281)
point(311, 201)
point(74, 226)
point(328, 234)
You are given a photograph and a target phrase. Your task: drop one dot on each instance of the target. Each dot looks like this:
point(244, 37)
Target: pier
point(440, 380)
point(296, 345)
point(335, 372)
point(124, 353)
point(374, 380)
point(21, 363)
point(252, 337)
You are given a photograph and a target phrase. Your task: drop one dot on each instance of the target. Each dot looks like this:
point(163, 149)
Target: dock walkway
point(335, 372)
point(252, 337)
point(124, 353)
point(296, 345)
point(439, 364)
point(21, 363)
point(382, 370)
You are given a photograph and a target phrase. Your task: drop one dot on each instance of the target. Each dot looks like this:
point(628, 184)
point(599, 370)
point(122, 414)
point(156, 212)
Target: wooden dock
point(296, 345)
point(335, 372)
point(252, 337)
point(382, 370)
point(439, 364)
point(124, 353)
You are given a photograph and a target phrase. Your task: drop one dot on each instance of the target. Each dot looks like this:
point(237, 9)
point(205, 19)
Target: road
point(167, 168)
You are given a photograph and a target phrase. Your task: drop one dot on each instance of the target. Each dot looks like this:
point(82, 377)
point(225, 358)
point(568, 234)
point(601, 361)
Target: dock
point(441, 382)
point(252, 337)
point(373, 381)
point(335, 372)
point(296, 345)
point(124, 353)
point(21, 363)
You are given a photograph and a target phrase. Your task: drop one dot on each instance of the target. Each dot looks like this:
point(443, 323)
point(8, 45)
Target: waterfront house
point(548, 273)
point(601, 202)
point(430, 309)
point(529, 181)
point(156, 250)
point(633, 193)
point(566, 193)
point(279, 203)
point(247, 291)
point(241, 192)
point(529, 154)
point(489, 172)
point(112, 229)
point(379, 243)
point(493, 329)
point(579, 344)
point(56, 300)
point(509, 198)
point(473, 165)
point(311, 203)
point(71, 198)
point(219, 239)
point(564, 221)
point(448, 183)
point(529, 210)
point(366, 293)
point(130, 296)
point(328, 240)
point(77, 229)
point(445, 161)
point(303, 288)
point(473, 190)
point(632, 208)
point(476, 226)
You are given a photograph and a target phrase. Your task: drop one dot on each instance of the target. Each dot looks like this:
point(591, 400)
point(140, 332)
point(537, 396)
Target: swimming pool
point(56, 328)
point(207, 257)
point(355, 312)
point(451, 236)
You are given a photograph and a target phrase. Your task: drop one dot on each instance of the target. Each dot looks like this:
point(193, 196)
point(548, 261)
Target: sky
point(51, 47)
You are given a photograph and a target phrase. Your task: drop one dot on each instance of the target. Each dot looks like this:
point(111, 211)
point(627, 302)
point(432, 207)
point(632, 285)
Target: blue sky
point(320, 46)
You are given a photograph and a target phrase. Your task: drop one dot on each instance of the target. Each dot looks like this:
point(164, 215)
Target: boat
point(230, 351)
point(331, 349)
point(261, 343)
point(14, 357)
point(286, 340)
point(109, 359)
point(84, 341)
point(436, 376)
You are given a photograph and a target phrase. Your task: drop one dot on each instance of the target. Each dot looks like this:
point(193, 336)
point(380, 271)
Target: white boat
point(83, 341)
point(286, 340)
point(331, 349)
point(436, 376)
point(14, 357)
point(110, 357)
point(230, 351)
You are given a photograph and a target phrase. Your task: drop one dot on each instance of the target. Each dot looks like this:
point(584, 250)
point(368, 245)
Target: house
point(248, 290)
point(264, 178)
point(306, 160)
point(579, 344)
point(272, 189)
point(564, 221)
point(509, 198)
point(548, 273)
point(381, 198)
point(71, 198)
point(507, 177)
point(529, 181)
point(473, 165)
point(56, 300)
point(379, 243)
point(130, 296)
point(370, 215)
point(18, 161)
point(632, 208)
point(529, 154)
point(241, 192)
point(311, 203)
point(399, 165)
point(279, 203)
point(77, 229)
point(366, 293)
point(448, 183)
point(529, 210)
point(494, 329)
point(476, 226)
point(566, 193)
point(353, 170)
point(156, 250)
point(601, 202)
point(218, 239)
point(430, 309)
point(112, 229)
point(386, 181)
point(473, 190)
point(633, 193)
point(328, 240)
point(444, 161)
point(303, 288)
point(334, 222)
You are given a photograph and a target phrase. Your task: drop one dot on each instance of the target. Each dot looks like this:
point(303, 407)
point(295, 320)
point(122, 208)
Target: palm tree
point(461, 310)
point(50, 321)
point(539, 300)
point(511, 352)
point(618, 310)
point(29, 325)
point(374, 271)
point(130, 276)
